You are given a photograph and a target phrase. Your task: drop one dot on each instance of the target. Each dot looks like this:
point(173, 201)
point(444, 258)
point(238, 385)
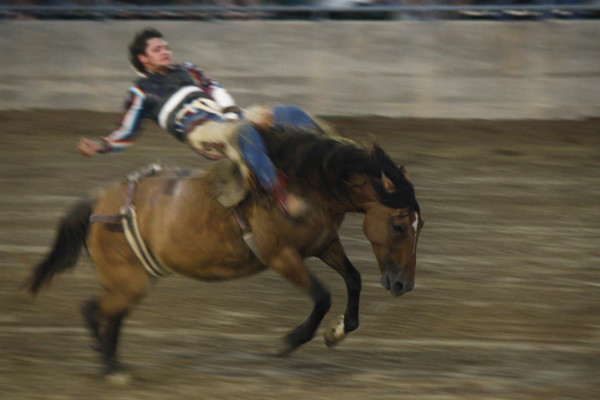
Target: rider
point(197, 110)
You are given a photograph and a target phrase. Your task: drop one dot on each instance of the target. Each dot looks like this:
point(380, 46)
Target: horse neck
point(361, 194)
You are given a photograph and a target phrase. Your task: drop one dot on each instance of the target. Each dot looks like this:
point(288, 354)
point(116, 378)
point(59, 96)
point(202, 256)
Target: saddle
point(229, 186)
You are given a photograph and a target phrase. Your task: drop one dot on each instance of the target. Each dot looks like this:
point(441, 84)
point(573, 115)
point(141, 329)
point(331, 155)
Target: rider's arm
point(215, 90)
point(123, 137)
point(225, 101)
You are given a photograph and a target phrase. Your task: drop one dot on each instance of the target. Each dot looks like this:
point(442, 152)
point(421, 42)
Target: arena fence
point(348, 10)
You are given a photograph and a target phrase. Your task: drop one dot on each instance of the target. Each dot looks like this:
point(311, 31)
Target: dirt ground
point(506, 303)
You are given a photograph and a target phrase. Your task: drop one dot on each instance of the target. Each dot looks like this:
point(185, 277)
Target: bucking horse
point(171, 220)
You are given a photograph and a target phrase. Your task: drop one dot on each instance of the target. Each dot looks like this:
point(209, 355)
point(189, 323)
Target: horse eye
point(401, 229)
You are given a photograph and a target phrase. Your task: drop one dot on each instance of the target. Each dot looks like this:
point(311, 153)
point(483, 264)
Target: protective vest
point(166, 95)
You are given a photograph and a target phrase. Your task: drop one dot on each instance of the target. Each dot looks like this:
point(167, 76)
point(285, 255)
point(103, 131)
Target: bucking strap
point(134, 237)
point(128, 219)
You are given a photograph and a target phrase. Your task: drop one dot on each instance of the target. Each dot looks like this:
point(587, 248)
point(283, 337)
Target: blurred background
point(421, 59)
point(493, 108)
point(264, 9)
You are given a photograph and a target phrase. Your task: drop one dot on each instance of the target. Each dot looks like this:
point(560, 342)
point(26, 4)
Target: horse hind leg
point(104, 315)
point(105, 331)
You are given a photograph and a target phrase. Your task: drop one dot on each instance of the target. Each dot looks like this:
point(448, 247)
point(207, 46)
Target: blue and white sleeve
point(124, 136)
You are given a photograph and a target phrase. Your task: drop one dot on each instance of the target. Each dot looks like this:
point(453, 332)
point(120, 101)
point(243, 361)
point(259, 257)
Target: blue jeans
point(293, 118)
point(254, 153)
point(253, 148)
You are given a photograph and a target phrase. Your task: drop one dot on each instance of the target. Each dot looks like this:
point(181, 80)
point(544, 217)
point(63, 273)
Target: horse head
point(354, 179)
point(392, 223)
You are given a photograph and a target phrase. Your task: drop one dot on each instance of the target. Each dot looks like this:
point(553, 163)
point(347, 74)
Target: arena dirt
point(505, 304)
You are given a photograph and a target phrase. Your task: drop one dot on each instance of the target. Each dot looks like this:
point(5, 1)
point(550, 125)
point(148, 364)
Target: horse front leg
point(336, 258)
point(291, 266)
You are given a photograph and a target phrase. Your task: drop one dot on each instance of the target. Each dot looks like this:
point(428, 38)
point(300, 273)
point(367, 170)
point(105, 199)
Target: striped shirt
point(168, 99)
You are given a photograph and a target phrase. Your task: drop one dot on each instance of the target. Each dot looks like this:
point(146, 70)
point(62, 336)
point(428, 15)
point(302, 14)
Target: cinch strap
point(246, 232)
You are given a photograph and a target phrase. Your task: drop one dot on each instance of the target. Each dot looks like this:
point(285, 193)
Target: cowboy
point(197, 110)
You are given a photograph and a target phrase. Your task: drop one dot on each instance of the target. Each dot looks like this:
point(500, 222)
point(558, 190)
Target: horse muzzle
point(396, 283)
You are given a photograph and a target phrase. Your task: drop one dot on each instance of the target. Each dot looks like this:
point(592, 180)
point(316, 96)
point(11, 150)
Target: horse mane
point(326, 163)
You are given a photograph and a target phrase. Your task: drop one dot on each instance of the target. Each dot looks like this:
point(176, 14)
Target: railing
point(537, 10)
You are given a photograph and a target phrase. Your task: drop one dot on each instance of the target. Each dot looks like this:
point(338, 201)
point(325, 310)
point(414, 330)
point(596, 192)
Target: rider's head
point(148, 51)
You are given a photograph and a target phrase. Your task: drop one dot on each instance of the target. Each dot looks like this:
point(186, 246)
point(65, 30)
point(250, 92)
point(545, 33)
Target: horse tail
point(70, 238)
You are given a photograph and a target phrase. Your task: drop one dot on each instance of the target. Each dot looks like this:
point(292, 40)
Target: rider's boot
point(291, 205)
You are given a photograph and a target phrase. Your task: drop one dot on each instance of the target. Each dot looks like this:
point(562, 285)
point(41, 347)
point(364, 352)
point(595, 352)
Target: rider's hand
point(89, 147)
point(231, 116)
point(232, 113)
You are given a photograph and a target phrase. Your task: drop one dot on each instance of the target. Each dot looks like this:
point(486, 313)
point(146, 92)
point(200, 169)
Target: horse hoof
point(295, 339)
point(288, 346)
point(335, 333)
point(118, 378)
point(285, 351)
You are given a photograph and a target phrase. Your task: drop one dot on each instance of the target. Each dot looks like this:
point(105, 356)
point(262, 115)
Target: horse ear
point(388, 185)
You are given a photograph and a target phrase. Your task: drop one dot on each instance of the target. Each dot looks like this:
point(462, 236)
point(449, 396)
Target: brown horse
point(191, 233)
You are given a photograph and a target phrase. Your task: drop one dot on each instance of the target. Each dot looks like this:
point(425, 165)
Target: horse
point(187, 230)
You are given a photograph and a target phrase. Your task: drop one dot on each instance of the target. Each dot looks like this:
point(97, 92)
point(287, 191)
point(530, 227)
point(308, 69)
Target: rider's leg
point(294, 118)
point(254, 153)
point(285, 117)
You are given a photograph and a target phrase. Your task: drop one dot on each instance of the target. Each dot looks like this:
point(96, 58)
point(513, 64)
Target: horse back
point(182, 224)
point(186, 228)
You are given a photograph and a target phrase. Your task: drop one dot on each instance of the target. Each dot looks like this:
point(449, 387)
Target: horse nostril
point(398, 288)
